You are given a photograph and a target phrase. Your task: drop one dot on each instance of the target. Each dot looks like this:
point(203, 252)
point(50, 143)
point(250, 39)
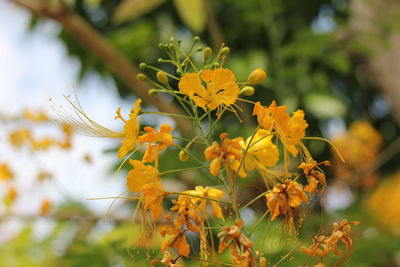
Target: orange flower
point(221, 91)
point(284, 197)
point(5, 172)
point(290, 130)
point(177, 241)
point(140, 175)
point(229, 153)
point(187, 215)
point(207, 192)
point(324, 244)
point(157, 140)
point(233, 238)
point(131, 129)
point(152, 197)
point(314, 176)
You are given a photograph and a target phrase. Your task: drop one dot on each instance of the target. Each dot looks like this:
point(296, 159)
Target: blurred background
point(337, 60)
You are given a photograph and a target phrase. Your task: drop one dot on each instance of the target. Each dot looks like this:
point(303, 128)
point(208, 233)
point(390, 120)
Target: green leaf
point(324, 106)
point(130, 9)
point(192, 13)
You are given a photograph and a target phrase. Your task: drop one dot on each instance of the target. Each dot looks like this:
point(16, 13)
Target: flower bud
point(225, 51)
point(247, 91)
point(196, 39)
point(183, 156)
point(256, 76)
point(207, 53)
point(142, 66)
point(162, 77)
point(142, 77)
point(153, 91)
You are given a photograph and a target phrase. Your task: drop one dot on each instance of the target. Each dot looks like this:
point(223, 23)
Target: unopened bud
point(207, 53)
point(216, 64)
point(142, 66)
point(225, 51)
point(171, 47)
point(256, 76)
point(142, 77)
point(183, 156)
point(179, 72)
point(152, 91)
point(196, 39)
point(162, 77)
point(247, 90)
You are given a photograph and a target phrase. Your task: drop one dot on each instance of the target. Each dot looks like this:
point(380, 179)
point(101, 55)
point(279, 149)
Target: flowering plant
point(274, 153)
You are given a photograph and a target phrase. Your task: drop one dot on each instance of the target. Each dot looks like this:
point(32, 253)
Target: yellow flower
point(261, 152)
point(290, 130)
point(383, 205)
point(284, 197)
point(207, 192)
point(157, 141)
point(140, 175)
point(152, 197)
point(221, 89)
point(5, 172)
point(86, 126)
point(131, 129)
point(359, 146)
point(42, 144)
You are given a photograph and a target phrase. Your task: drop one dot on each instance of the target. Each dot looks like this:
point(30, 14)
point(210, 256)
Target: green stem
point(167, 114)
point(179, 170)
point(207, 198)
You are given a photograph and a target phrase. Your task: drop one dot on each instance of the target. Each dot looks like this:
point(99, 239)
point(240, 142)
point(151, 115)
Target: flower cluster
point(207, 91)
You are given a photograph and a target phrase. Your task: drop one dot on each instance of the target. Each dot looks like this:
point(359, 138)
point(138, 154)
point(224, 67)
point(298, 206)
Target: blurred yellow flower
point(39, 116)
point(5, 172)
point(359, 147)
point(45, 207)
point(384, 206)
